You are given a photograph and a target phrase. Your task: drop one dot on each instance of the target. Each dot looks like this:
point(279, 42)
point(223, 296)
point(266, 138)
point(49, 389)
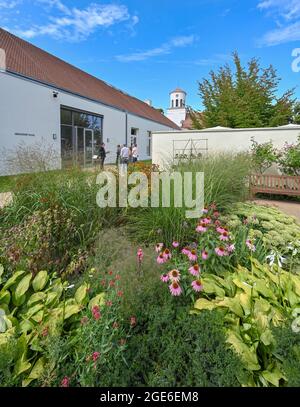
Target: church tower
point(177, 110)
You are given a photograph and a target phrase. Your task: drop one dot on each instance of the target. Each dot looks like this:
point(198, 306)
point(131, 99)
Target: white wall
point(231, 140)
point(29, 107)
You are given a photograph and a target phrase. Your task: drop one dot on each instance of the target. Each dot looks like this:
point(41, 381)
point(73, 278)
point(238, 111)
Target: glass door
point(89, 147)
point(80, 153)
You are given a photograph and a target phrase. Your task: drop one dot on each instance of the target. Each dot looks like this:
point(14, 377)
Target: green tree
point(244, 97)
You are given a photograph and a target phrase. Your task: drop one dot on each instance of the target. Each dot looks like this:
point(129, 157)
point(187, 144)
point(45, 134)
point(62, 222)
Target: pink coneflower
point(140, 255)
point(158, 247)
point(195, 270)
point(167, 254)
point(95, 356)
point(206, 220)
point(220, 251)
point(164, 278)
point(175, 289)
point(230, 248)
point(120, 293)
point(201, 227)
point(204, 210)
point(185, 251)
point(174, 275)
point(175, 244)
point(193, 255)
point(224, 236)
point(217, 222)
point(213, 206)
point(96, 312)
point(216, 214)
point(65, 382)
point(220, 229)
point(161, 259)
point(109, 303)
point(250, 245)
point(197, 285)
point(204, 254)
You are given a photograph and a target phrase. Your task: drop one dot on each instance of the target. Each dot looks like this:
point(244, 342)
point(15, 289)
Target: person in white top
point(135, 153)
point(124, 158)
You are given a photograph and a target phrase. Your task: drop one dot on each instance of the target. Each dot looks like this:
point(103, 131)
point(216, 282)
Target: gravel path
point(290, 208)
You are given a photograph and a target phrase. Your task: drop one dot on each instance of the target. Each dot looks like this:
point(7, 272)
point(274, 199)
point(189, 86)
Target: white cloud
point(75, 24)
point(287, 15)
point(164, 49)
point(9, 4)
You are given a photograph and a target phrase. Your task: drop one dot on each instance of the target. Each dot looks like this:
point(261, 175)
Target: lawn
point(94, 296)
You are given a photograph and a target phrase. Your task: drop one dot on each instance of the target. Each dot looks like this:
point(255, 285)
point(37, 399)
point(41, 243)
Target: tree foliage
point(245, 97)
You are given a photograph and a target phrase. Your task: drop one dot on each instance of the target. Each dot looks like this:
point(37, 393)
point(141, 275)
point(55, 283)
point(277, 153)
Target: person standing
point(118, 154)
point(135, 153)
point(124, 155)
point(102, 155)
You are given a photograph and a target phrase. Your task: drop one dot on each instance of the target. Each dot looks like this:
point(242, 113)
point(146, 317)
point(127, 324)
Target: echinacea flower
point(161, 259)
point(250, 245)
point(206, 220)
point(230, 248)
point(175, 244)
point(224, 236)
point(204, 210)
point(167, 254)
point(220, 251)
point(197, 285)
point(201, 227)
point(65, 382)
point(164, 278)
point(193, 255)
point(175, 289)
point(158, 247)
point(95, 356)
point(185, 251)
point(174, 275)
point(195, 270)
point(204, 254)
point(220, 229)
point(216, 214)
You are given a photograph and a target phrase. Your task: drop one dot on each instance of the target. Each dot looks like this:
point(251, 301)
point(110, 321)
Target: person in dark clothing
point(102, 155)
point(118, 154)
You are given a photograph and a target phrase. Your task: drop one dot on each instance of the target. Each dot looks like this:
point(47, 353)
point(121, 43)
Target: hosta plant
point(253, 302)
point(32, 308)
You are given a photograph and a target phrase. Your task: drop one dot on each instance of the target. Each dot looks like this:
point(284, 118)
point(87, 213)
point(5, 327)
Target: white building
point(168, 147)
point(177, 110)
point(44, 99)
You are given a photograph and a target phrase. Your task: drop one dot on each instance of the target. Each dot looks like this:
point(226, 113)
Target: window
point(134, 134)
point(149, 143)
point(177, 103)
point(81, 132)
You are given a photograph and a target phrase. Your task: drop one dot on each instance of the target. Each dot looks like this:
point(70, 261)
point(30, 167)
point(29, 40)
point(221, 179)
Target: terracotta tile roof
point(25, 59)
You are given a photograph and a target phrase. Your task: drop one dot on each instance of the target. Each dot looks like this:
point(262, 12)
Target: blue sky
point(149, 47)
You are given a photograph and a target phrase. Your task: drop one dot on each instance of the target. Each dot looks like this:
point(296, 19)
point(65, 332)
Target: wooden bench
point(275, 184)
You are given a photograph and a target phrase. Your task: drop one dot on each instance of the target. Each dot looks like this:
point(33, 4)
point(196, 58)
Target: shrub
point(263, 155)
point(33, 308)
point(278, 231)
point(254, 301)
point(170, 348)
point(287, 350)
point(289, 158)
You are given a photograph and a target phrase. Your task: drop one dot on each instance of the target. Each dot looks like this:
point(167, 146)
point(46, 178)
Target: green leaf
point(11, 281)
point(71, 310)
point(39, 296)
point(5, 297)
point(233, 304)
point(21, 365)
point(36, 372)
point(97, 300)
point(40, 280)
point(248, 356)
point(267, 337)
point(33, 310)
point(81, 293)
point(22, 286)
point(273, 376)
point(211, 287)
point(202, 303)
